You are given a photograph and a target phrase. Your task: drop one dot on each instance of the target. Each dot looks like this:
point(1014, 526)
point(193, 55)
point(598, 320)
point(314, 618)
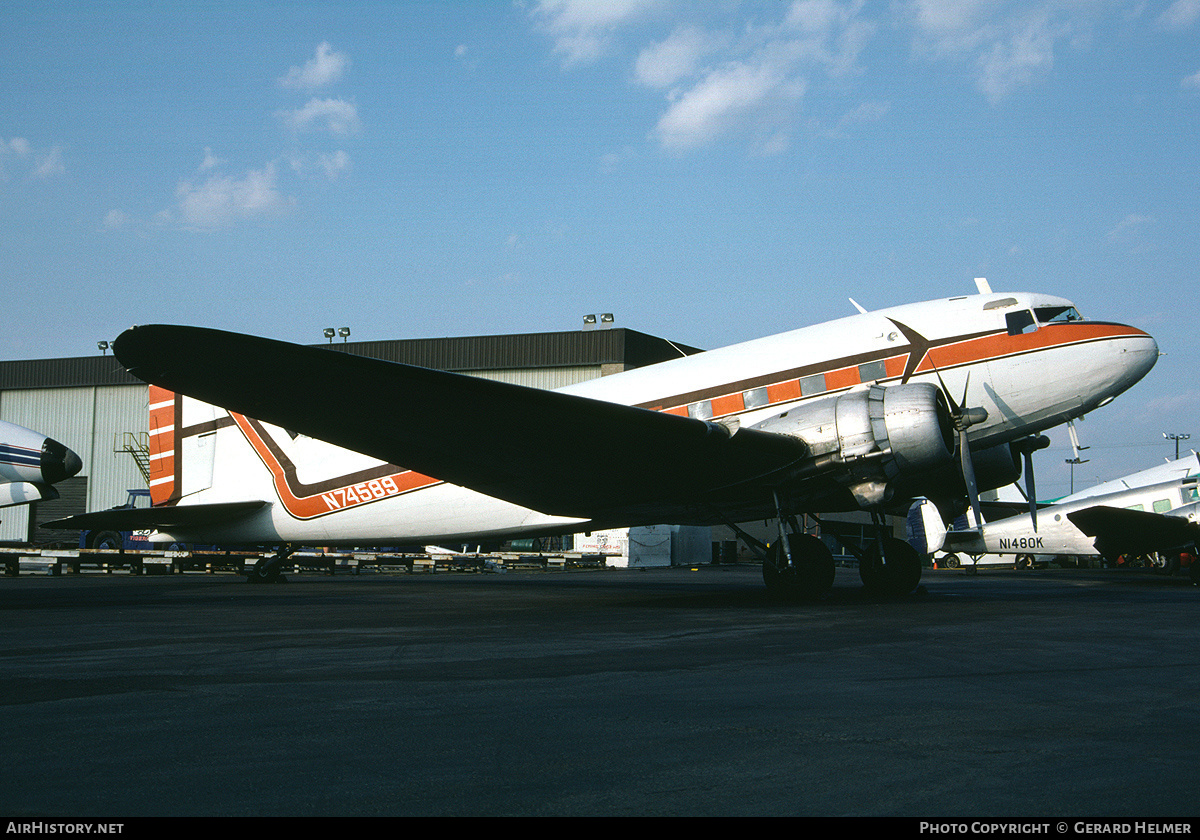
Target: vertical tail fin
point(182, 450)
point(165, 406)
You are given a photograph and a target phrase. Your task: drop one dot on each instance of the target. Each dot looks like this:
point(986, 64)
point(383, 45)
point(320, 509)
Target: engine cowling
point(871, 438)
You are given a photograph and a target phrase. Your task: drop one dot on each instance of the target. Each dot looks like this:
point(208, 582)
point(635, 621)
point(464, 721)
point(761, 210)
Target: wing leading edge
point(556, 453)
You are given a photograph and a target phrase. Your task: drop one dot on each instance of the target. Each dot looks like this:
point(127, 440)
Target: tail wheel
point(809, 575)
point(899, 575)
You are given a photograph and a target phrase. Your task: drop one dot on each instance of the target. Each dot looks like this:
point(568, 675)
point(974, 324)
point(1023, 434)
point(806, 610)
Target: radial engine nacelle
point(30, 463)
point(874, 437)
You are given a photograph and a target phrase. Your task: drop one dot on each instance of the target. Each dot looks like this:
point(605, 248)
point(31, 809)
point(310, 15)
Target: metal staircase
point(137, 444)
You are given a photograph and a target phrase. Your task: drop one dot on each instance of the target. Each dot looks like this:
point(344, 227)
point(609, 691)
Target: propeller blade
point(968, 472)
point(1027, 446)
point(963, 418)
point(1031, 492)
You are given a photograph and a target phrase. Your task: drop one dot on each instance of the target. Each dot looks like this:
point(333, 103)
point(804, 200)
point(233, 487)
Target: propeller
point(1027, 446)
point(963, 418)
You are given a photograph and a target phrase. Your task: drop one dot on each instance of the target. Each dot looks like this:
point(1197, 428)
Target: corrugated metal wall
point(85, 419)
point(548, 378)
point(118, 410)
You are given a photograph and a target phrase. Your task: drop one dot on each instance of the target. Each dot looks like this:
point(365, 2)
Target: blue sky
point(709, 172)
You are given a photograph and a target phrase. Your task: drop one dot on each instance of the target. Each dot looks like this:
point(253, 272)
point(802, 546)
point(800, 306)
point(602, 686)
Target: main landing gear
point(802, 572)
point(799, 566)
point(890, 567)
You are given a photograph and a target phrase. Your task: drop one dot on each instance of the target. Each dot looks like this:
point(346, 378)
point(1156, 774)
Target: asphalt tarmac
point(1045, 694)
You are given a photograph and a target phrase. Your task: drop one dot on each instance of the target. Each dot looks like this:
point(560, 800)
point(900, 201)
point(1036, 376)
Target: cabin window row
point(759, 397)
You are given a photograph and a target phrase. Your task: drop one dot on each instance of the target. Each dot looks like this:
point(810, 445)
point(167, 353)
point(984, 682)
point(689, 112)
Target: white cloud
point(720, 70)
point(47, 164)
point(222, 199)
point(951, 19)
point(211, 161)
point(1009, 45)
point(17, 145)
point(331, 165)
point(334, 115)
point(677, 57)
point(334, 164)
point(325, 68)
point(866, 112)
point(1130, 233)
point(1180, 15)
point(115, 219)
point(828, 33)
point(1131, 222)
point(1016, 59)
point(50, 164)
point(1192, 81)
point(724, 99)
point(582, 29)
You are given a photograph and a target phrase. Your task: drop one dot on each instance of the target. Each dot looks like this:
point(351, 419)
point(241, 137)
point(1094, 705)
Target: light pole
point(1176, 438)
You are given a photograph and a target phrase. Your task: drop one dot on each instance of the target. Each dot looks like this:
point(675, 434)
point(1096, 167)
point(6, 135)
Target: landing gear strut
point(798, 566)
point(269, 569)
point(805, 572)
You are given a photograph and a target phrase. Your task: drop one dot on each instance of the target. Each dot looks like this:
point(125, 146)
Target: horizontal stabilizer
point(971, 536)
point(160, 518)
point(553, 452)
point(1120, 531)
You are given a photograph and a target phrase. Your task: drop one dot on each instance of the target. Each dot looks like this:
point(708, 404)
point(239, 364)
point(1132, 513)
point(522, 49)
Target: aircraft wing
point(1120, 531)
point(557, 453)
point(162, 518)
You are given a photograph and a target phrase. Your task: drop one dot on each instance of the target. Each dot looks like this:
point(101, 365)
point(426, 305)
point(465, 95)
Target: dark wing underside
point(556, 453)
point(164, 518)
point(1119, 531)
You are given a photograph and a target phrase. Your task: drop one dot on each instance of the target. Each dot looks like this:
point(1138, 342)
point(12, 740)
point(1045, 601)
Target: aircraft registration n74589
point(866, 412)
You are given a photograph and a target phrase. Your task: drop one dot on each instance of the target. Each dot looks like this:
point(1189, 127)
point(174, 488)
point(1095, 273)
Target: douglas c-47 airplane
point(866, 412)
point(30, 463)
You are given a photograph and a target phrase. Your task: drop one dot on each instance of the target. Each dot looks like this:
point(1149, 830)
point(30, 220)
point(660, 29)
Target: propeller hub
point(968, 417)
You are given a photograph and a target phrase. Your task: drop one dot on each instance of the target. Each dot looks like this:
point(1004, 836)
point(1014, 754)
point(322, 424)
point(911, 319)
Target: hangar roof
point(625, 347)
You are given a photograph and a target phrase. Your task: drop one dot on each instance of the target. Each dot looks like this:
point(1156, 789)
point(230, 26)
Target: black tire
point(899, 576)
point(266, 570)
point(108, 540)
point(810, 574)
point(1164, 564)
point(952, 561)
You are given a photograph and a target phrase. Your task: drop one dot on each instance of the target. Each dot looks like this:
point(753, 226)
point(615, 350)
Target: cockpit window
point(1057, 314)
point(1020, 322)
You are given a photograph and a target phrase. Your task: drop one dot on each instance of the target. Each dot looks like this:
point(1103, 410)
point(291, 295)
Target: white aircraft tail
point(200, 453)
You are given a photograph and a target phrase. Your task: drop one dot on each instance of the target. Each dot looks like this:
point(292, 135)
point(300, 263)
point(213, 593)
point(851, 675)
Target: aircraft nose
point(58, 462)
point(1143, 351)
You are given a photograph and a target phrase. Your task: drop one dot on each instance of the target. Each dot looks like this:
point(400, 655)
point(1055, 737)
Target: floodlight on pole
point(1176, 438)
